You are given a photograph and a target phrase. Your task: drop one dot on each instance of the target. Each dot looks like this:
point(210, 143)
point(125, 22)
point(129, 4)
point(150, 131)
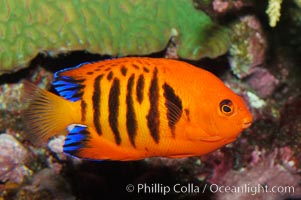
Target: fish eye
point(226, 107)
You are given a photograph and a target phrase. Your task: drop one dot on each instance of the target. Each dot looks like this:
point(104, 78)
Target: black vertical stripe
point(114, 109)
point(83, 106)
point(140, 88)
point(174, 107)
point(131, 122)
point(123, 70)
point(153, 114)
point(71, 85)
point(96, 104)
point(110, 76)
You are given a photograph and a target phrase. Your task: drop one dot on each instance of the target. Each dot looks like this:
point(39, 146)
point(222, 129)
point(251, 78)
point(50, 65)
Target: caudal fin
point(47, 114)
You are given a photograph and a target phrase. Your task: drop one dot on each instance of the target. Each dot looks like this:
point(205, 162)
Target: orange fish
point(133, 108)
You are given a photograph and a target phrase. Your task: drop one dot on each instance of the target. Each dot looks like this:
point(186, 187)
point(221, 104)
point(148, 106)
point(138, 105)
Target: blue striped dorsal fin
point(68, 87)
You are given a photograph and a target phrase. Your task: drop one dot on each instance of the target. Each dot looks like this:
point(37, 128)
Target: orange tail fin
point(47, 114)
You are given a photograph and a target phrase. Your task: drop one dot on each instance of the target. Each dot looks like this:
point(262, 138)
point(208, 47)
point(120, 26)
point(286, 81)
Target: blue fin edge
point(68, 88)
point(57, 74)
point(75, 139)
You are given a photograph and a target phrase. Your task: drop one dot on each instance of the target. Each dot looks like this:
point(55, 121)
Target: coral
point(107, 27)
point(12, 100)
point(12, 158)
point(56, 146)
point(255, 101)
point(217, 8)
point(290, 126)
point(276, 169)
point(219, 163)
point(222, 6)
point(10, 104)
point(10, 97)
point(263, 82)
point(248, 48)
point(274, 11)
point(46, 184)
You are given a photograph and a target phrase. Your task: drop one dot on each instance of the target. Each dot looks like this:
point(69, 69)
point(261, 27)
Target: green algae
point(116, 28)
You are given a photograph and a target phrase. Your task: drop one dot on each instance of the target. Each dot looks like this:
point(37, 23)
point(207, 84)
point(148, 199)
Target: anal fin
point(76, 139)
point(84, 142)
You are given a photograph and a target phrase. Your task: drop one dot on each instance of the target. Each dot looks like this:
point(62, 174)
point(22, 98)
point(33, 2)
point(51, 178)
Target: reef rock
point(12, 158)
point(272, 176)
point(248, 49)
point(46, 184)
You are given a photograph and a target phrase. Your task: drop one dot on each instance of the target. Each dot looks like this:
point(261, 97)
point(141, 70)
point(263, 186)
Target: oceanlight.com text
point(158, 188)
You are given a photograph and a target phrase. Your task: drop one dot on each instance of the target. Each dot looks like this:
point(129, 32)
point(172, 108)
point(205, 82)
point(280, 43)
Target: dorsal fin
point(69, 87)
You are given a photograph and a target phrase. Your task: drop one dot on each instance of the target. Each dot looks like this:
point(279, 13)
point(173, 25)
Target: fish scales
point(114, 109)
point(83, 110)
point(96, 95)
point(132, 108)
point(124, 129)
point(131, 121)
point(140, 88)
point(153, 121)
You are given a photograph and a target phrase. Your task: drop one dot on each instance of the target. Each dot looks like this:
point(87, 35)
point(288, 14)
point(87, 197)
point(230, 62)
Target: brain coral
point(117, 28)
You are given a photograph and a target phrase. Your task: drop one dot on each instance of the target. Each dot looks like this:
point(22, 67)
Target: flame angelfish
point(133, 108)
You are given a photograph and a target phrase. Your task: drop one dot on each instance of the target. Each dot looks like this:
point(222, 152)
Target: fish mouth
point(247, 124)
point(247, 121)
